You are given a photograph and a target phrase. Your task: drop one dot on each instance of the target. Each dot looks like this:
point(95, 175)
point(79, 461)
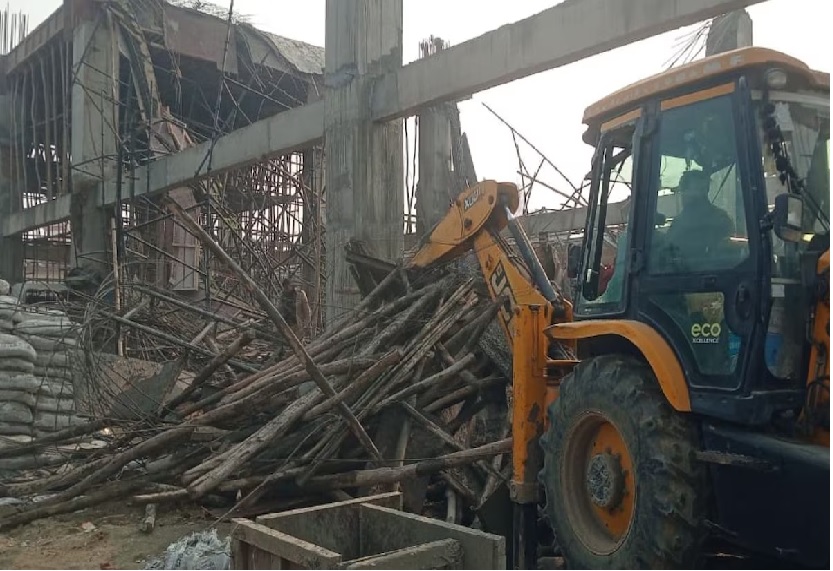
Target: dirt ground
point(69, 542)
point(61, 542)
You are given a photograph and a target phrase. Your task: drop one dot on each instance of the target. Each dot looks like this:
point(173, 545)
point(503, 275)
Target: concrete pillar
point(365, 176)
point(729, 32)
point(11, 247)
point(436, 186)
point(94, 113)
point(313, 236)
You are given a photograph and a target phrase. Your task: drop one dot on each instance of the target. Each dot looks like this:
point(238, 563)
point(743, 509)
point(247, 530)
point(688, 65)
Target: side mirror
point(787, 217)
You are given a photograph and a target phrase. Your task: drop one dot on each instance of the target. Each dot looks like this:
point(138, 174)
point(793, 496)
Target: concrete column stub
point(364, 175)
point(94, 112)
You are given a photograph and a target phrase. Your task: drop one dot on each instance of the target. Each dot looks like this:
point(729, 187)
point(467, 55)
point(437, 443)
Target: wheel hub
point(605, 480)
point(599, 483)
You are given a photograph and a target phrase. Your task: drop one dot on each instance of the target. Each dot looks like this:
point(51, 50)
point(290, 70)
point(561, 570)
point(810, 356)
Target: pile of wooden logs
point(385, 395)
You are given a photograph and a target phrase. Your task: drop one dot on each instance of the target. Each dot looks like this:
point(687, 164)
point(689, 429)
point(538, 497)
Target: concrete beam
point(566, 33)
point(292, 130)
point(286, 132)
point(572, 219)
point(41, 215)
point(36, 39)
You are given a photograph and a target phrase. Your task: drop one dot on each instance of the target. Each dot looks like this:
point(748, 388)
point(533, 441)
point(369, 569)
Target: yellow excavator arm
point(474, 222)
point(530, 304)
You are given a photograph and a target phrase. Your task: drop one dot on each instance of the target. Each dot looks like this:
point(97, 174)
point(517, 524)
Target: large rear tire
point(623, 487)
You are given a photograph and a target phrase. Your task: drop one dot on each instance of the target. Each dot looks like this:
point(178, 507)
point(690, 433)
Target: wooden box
point(364, 533)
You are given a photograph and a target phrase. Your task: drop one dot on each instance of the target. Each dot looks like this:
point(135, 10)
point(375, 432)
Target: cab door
point(698, 286)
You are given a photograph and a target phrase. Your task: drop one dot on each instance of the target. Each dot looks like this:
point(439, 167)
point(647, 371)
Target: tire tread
point(668, 530)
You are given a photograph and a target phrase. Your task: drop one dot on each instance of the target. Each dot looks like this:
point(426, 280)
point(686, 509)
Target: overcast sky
point(546, 108)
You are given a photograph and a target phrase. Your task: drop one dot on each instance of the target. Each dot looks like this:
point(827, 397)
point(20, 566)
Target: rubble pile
point(385, 395)
point(198, 550)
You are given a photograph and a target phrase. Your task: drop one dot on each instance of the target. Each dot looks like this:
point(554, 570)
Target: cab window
point(804, 122)
point(700, 224)
point(700, 216)
point(605, 263)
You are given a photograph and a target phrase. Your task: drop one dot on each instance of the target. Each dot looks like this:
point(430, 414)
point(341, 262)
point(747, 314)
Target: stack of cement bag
point(18, 387)
point(53, 337)
point(36, 390)
point(8, 306)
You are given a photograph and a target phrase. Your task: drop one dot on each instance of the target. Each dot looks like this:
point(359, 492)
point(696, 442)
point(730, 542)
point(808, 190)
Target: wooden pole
point(361, 478)
point(205, 373)
point(280, 322)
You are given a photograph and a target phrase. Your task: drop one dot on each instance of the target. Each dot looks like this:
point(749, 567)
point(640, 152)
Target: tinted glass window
point(701, 223)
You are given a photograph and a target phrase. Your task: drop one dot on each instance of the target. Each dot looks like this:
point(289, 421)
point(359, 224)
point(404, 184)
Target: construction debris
point(399, 376)
point(149, 521)
point(199, 550)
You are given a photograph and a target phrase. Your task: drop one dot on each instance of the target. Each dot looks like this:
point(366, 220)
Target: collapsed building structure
point(92, 98)
point(124, 119)
point(102, 88)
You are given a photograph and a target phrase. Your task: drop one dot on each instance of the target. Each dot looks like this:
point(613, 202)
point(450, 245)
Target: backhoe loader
point(688, 396)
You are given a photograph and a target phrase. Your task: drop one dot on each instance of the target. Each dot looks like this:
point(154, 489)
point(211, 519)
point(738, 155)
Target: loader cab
point(685, 175)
